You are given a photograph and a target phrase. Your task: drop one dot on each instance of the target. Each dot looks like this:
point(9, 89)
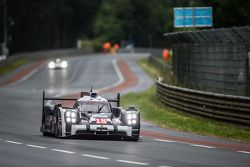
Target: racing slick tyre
point(43, 130)
point(135, 135)
point(58, 129)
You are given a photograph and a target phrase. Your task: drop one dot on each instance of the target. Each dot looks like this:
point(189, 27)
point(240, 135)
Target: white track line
point(35, 146)
point(167, 141)
point(63, 151)
point(118, 73)
point(132, 162)
point(94, 156)
point(164, 166)
point(245, 152)
point(195, 145)
point(202, 146)
point(12, 142)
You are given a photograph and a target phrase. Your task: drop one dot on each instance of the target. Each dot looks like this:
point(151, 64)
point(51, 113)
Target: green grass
point(151, 70)
point(11, 66)
point(154, 111)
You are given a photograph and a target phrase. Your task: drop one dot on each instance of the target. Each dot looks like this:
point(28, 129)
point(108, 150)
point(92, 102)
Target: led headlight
point(73, 114)
point(134, 116)
point(129, 122)
point(129, 116)
point(68, 119)
point(51, 64)
point(64, 64)
point(67, 114)
point(73, 120)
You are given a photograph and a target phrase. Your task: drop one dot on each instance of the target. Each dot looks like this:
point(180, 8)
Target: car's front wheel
point(58, 130)
point(44, 131)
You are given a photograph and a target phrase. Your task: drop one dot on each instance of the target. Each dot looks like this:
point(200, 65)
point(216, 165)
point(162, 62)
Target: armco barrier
point(235, 109)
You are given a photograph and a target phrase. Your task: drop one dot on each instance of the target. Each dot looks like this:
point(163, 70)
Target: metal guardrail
point(230, 108)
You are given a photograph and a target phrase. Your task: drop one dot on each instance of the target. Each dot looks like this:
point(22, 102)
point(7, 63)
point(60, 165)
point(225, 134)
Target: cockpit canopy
point(94, 106)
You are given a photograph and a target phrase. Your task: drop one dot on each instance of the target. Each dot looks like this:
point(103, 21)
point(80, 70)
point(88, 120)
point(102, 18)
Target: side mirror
point(116, 111)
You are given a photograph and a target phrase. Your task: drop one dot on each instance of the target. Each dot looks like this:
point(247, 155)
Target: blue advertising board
point(193, 17)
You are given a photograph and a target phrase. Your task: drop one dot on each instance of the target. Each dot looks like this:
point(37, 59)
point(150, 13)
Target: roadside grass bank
point(154, 111)
point(10, 66)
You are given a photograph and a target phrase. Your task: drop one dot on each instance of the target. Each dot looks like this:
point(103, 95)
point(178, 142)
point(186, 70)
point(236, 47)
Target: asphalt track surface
point(22, 145)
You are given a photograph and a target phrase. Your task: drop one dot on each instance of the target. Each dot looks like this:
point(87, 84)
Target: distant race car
point(58, 64)
point(90, 115)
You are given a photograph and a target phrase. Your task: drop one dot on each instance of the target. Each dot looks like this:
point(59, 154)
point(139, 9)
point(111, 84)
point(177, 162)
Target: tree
point(142, 20)
point(49, 24)
point(107, 26)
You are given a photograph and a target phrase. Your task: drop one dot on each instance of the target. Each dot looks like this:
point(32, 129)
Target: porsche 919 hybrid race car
point(91, 115)
point(58, 64)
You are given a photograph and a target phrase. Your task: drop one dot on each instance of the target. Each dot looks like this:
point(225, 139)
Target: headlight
point(129, 122)
point(51, 64)
point(73, 114)
point(134, 116)
point(73, 120)
point(129, 116)
point(68, 119)
point(64, 64)
point(68, 114)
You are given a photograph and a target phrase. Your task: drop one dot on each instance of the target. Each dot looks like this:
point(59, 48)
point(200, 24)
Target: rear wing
point(55, 98)
point(117, 100)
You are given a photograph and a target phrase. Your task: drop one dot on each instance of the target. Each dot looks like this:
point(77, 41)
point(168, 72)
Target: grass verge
point(154, 111)
point(11, 66)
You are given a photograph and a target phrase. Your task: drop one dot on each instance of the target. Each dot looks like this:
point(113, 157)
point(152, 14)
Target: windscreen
point(95, 107)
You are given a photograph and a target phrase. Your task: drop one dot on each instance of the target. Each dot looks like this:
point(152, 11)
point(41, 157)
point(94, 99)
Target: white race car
point(58, 64)
point(91, 115)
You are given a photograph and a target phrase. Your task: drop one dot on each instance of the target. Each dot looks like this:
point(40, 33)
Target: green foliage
point(144, 21)
point(228, 13)
point(107, 26)
point(49, 24)
point(150, 69)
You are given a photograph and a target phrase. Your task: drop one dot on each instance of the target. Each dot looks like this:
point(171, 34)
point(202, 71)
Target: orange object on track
point(165, 54)
point(106, 46)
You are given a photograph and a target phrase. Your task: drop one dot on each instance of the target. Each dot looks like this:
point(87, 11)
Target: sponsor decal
point(100, 116)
